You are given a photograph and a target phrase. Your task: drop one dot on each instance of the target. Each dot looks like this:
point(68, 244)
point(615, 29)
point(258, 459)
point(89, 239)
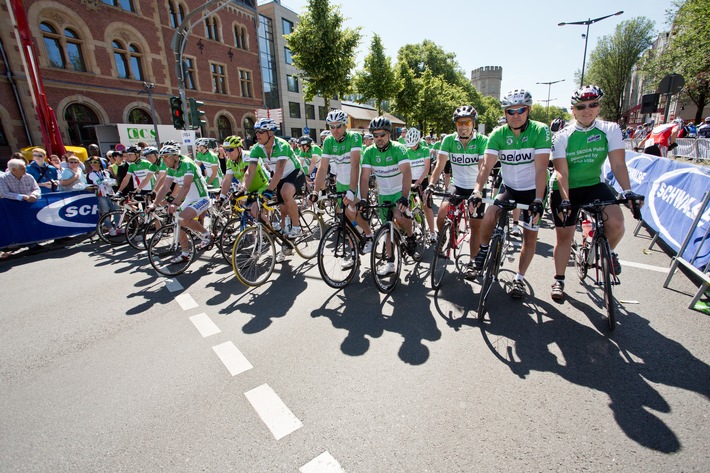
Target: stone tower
point(487, 80)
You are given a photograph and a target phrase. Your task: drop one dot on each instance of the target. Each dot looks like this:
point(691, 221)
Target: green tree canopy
point(377, 80)
point(324, 50)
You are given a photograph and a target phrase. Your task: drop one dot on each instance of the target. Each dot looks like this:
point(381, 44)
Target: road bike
point(451, 239)
point(111, 226)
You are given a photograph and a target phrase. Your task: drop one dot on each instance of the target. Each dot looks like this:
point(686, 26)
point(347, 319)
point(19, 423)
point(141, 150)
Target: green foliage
point(489, 113)
point(611, 62)
point(324, 50)
point(407, 98)
point(377, 80)
point(437, 101)
point(541, 113)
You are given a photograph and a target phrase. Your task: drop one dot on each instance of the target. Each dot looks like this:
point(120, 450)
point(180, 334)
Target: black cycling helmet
point(380, 123)
point(557, 124)
point(305, 140)
point(466, 111)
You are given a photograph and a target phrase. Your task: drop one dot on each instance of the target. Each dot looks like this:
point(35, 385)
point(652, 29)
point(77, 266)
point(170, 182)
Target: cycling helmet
point(517, 97)
point(588, 92)
point(305, 140)
point(411, 139)
point(336, 116)
point(233, 141)
point(169, 150)
point(502, 121)
point(324, 134)
point(265, 124)
point(293, 140)
point(380, 123)
point(557, 124)
point(150, 150)
point(202, 142)
point(368, 136)
point(170, 143)
point(465, 111)
point(133, 149)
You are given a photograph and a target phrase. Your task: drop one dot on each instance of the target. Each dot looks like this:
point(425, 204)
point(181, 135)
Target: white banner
point(131, 134)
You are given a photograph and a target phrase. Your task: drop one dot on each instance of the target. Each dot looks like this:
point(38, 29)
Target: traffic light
point(196, 114)
point(177, 113)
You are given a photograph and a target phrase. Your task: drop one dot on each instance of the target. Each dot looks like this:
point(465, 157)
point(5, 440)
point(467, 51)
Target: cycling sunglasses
point(582, 106)
point(379, 135)
point(513, 111)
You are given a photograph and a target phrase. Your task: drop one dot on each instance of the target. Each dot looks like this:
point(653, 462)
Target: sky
point(521, 36)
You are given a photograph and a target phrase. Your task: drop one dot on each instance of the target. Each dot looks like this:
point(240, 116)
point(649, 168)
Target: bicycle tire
point(490, 273)
point(386, 283)
point(442, 259)
point(312, 228)
point(134, 231)
point(151, 226)
point(419, 232)
point(581, 256)
point(229, 235)
point(163, 248)
point(335, 247)
point(107, 225)
point(253, 256)
point(607, 269)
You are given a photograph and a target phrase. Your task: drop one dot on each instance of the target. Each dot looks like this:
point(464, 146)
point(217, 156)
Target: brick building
point(97, 58)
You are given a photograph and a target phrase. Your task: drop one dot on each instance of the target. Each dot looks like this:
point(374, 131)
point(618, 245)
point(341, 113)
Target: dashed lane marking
point(186, 301)
point(658, 269)
point(232, 358)
point(204, 325)
point(273, 412)
point(323, 463)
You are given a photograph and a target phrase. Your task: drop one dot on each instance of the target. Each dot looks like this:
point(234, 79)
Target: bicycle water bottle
point(587, 228)
point(357, 227)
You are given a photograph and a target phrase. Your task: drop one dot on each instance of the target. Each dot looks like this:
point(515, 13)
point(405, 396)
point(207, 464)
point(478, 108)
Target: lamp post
point(148, 88)
point(549, 86)
point(586, 36)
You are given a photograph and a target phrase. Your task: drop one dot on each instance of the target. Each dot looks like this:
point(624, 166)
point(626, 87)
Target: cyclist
point(238, 167)
point(523, 148)
point(192, 199)
point(419, 160)
point(208, 158)
point(310, 155)
point(388, 161)
point(341, 151)
point(557, 124)
point(323, 135)
point(367, 140)
point(140, 171)
point(578, 153)
point(462, 151)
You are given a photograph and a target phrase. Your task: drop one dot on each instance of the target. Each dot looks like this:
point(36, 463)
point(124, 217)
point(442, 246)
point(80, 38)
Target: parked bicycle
point(451, 239)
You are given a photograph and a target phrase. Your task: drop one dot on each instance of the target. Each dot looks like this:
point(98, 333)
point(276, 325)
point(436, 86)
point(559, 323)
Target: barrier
point(692, 148)
point(52, 216)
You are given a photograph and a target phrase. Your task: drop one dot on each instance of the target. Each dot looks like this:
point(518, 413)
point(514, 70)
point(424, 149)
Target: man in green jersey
point(523, 148)
point(238, 167)
point(419, 160)
point(388, 161)
point(310, 154)
point(140, 171)
point(367, 140)
point(578, 154)
point(208, 159)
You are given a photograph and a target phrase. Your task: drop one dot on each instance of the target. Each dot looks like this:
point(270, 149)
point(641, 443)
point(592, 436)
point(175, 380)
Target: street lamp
point(148, 88)
point(586, 36)
point(549, 86)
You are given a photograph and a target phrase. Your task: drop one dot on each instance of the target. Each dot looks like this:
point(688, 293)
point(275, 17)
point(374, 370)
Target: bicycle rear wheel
point(165, 253)
point(419, 232)
point(312, 230)
point(111, 227)
point(443, 256)
point(386, 269)
point(229, 235)
point(607, 269)
point(134, 231)
point(490, 273)
point(580, 251)
point(253, 256)
point(338, 258)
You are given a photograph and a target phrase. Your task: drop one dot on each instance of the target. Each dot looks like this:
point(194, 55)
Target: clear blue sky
point(521, 36)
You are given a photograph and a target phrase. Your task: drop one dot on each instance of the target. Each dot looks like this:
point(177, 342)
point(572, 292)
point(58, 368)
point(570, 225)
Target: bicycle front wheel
point(443, 256)
point(419, 232)
point(229, 235)
point(165, 253)
point(338, 258)
point(580, 251)
point(386, 258)
point(253, 256)
point(134, 231)
point(312, 229)
point(607, 269)
point(111, 227)
point(490, 273)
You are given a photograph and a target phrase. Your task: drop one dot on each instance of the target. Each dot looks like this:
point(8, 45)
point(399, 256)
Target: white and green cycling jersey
point(417, 160)
point(385, 165)
point(308, 157)
point(517, 153)
point(141, 170)
point(586, 149)
point(210, 160)
point(464, 158)
point(338, 153)
point(281, 151)
point(187, 167)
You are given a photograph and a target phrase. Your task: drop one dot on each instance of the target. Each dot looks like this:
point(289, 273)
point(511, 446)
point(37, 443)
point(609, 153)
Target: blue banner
point(52, 216)
point(674, 192)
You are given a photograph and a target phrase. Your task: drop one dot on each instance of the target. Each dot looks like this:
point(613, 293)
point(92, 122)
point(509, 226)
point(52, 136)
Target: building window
point(287, 25)
point(3, 136)
point(128, 61)
point(212, 28)
point(63, 52)
point(268, 63)
point(189, 68)
point(310, 111)
point(245, 83)
point(177, 13)
point(296, 132)
point(287, 55)
point(240, 37)
point(78, 117)
point(219, 79)
point(322, 113)
point(124, 4)
point(138, 116)
point(294, 110)
point(224, 127)
point(292, 83)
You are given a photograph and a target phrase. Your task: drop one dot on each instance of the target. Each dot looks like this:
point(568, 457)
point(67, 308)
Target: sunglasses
point(513, 111)
point(229, 150)
point(259, 132)
point(464, 122)
point(73, 162)
point(94, 162)
point(582, 106)
point(380, 134)
point(38, 156)
point(336, 127)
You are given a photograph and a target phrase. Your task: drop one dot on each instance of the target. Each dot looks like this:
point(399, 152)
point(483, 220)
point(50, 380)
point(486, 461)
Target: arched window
point(128, 60)
point(224, 127)
point(248, 124)
point(63, 52)
point(212, 28)
point(177, 13)
point(240, 37)
point(78, 116)
point(138, 116)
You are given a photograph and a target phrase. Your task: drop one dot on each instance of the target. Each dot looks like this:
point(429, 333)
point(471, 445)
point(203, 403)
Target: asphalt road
point(105, 368)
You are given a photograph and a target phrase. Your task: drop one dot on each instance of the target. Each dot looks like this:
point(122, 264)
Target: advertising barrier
point(52, 216)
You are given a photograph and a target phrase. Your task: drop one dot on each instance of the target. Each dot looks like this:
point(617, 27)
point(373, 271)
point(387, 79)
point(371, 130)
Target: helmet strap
point(385, 147)
point(523, 127)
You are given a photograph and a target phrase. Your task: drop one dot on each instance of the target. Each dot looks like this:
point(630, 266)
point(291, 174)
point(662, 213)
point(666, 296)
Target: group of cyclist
point(520, 148)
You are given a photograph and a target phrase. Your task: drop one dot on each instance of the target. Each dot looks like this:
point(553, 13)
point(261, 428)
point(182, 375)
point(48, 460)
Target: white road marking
point(186, 301)
point(232, 358)
point(204, 325)
point(273, 412)
point(173, 285)
point(658, 269)
point(323, 463)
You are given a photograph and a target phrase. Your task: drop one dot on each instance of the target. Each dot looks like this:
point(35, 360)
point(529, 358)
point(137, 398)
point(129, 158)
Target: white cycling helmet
point(169, 150)
point(411, 139)
point(336, 116)
point(517, 97)
point(267, 124)
point(324, 134)
point(202, 142)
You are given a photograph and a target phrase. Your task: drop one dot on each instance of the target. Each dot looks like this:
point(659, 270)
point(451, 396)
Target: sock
point(519, 277)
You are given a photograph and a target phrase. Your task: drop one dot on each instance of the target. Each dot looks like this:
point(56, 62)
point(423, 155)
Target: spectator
point(45, 175)
point(17, 184)
point(704, 129)
point(57, 163)
point(73, 178)
point(101, 178)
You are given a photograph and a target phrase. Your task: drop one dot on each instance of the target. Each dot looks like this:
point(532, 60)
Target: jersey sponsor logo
point(524, 140)
point(463, 159)
point(515, 157)
point(594, 138)
point(509, 141)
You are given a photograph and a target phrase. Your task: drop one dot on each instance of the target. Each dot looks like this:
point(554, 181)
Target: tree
point(406, 99)
point(324, 51)
point(611, 62)
point(687, 53)
point(377, 80)
point(436, 102)
point(542, 114)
